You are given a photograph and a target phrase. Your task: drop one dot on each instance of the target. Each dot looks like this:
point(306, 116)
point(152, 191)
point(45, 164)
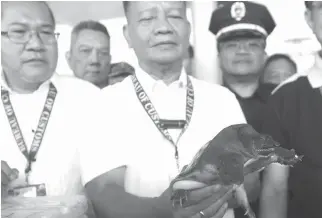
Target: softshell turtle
point(236, 151)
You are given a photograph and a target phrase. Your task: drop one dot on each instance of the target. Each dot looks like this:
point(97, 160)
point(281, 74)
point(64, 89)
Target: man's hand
point(7, 176)
point(207, 202)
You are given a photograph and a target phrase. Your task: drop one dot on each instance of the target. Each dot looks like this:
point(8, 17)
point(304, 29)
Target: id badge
point(28, 191)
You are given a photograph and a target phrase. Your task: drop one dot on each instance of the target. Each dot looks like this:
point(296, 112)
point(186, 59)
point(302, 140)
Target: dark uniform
point(254, 106)
point(294, 118)
point(247, 20)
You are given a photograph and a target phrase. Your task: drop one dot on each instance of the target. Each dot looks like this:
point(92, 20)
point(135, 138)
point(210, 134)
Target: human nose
point(94, 56)
point(163, 26)
point(35, 42)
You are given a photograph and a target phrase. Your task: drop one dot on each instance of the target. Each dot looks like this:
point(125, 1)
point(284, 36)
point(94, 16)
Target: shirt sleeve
point(101, 150)
point(236, 115)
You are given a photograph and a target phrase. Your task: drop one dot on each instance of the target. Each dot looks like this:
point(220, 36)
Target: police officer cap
point(308, 4)
point(241, 18)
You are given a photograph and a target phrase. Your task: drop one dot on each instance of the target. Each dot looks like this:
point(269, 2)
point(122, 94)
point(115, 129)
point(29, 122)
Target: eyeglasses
point(236, 45)
point(23, 35)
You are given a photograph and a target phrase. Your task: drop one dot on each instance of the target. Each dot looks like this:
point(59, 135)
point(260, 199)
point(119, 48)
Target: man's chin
point(244, 72)
point(164, 60)
point(36, 76)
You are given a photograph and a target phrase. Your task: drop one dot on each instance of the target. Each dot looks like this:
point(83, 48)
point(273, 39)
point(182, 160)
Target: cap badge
point(238, 10)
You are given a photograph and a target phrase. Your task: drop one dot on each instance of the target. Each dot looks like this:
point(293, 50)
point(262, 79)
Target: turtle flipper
point(241, 196)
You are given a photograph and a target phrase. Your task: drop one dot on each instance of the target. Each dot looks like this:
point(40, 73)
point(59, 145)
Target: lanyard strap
point(41, 128)
point(151, 111)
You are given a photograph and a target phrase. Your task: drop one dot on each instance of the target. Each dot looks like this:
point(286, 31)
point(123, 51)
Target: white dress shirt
point(70, 126)
point(135, 141)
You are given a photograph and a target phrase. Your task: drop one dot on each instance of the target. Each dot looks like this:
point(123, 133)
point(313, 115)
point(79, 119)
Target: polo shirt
point(294, 118)
point(70, 126)
point(137, 143)
point(253, 108)
point(254, 105)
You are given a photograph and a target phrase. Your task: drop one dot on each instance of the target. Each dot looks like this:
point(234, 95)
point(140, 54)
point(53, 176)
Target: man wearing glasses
point(40, 111)
point(241, 29)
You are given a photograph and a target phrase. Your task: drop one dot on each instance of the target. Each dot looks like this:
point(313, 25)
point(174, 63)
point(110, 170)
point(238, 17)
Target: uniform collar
point(315, 73)
point(149, 83)
point(3, 83)
point(261, 92)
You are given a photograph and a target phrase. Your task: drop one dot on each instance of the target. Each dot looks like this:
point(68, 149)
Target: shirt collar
point(315, 73)
point(3, 83)
point(260, 93)
point(149, 83)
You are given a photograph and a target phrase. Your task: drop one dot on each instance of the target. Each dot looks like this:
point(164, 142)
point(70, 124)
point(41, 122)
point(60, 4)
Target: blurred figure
point(278, 68)
point(89, 56)
point(294, 118)
point(241, 29)
point(188, 61)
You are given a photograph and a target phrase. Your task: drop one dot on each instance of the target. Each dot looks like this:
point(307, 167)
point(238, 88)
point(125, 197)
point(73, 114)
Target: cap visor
point(240, 34)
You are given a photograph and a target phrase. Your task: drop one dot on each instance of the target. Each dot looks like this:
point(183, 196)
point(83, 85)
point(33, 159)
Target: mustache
point(94, 64)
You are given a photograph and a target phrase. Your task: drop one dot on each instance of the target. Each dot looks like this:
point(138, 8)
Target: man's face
point(242, 56)
point(35, 60)
point(158, 31)
point(278, 70)
point(90, 57)
point(314, 19)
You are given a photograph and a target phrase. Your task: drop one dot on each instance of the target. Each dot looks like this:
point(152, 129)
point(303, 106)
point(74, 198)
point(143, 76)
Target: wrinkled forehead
point(32, 14)
point(141, 6)
point(279, 63)
point(92, 38)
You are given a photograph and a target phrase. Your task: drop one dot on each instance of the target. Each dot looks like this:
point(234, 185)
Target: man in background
point(278, 68)
point(241, 29)
point(90, 58)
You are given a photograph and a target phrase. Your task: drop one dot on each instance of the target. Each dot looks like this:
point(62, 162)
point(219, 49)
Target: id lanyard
point(151, 111)
point(41, 128)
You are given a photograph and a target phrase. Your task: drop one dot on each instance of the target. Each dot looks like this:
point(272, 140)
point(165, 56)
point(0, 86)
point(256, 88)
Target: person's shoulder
point(291, 79)
point(216, 91)
point(77, 92)
point(289, 95)
point(72, 84)
point(121, 67)
point(118, 90)
point(117, 86)
point(292, 87)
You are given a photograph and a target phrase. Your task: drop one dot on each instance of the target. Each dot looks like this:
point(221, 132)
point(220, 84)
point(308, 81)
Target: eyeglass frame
point(55, 37)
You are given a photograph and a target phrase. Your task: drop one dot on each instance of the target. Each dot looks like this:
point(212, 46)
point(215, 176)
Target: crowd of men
point(99, 133)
